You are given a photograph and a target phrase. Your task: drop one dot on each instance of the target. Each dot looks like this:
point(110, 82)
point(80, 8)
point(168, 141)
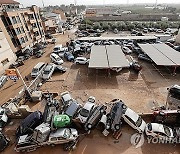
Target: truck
point(43, 136)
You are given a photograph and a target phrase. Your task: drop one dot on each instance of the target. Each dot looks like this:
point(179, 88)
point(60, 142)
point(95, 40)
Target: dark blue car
point(69, 56)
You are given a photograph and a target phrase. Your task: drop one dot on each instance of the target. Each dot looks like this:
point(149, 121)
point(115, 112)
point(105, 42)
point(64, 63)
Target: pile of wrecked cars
point(65, 120)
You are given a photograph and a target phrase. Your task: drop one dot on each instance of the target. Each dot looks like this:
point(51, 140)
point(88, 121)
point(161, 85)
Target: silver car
point(3, 80)
point(48, 71)
point(3, 118)
point(63, 135)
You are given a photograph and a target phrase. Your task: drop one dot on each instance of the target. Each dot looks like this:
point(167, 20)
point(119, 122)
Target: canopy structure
point(118, 38)
point(110, 56)
point(162, 54)
point(98, 57)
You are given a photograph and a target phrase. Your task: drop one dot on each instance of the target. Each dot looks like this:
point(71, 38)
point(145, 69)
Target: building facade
point(7, 56)
point(24, 27)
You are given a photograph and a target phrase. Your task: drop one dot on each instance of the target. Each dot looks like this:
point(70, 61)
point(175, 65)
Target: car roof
point(54, 55)
point(48, 67)
point(58, 45)
point(159, 127)
point(133, 115)
point(83, 58)
point(88, 105)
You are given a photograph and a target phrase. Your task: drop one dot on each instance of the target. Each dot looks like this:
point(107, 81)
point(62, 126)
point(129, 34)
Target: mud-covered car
point(29, 123)
point(167, 117)
point(95, 117)
point(4, 142)
point(3, 118)
point(72, 109)
point(114, 116)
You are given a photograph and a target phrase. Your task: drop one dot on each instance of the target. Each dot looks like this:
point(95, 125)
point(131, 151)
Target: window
point(23, 17)
point(22, 29)
point(14, 21)
point(22, 40)
point(26, 39)
point(18, 19)
point(5, 61)
point(18, 31)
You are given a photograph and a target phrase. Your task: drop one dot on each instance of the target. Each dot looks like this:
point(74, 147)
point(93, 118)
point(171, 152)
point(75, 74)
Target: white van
point(37, 69)
point(56, 59)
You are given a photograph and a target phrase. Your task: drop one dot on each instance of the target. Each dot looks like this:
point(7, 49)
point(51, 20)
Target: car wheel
point(77, 63)
point(101, 110)
point(117, 126)
point(124, 106)
point(89, 126)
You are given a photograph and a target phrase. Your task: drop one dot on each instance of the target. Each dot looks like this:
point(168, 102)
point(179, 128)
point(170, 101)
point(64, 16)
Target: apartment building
point(23, 25)
point(7, 56)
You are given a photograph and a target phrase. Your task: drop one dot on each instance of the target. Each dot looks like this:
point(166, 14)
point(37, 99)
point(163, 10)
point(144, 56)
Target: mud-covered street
point(141, 92)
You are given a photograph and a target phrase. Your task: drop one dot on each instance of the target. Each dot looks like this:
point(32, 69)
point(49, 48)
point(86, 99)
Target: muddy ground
point(141, 92)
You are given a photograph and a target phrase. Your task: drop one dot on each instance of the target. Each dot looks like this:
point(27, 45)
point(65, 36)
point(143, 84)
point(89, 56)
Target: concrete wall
point(5, 53)
point(178, 37)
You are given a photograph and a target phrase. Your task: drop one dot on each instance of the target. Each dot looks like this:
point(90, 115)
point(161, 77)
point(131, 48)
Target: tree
point(96, 26)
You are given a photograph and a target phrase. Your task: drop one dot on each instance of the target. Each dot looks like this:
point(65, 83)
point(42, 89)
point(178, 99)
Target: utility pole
point(43, 3)
point(75, 2)
point(156, 4)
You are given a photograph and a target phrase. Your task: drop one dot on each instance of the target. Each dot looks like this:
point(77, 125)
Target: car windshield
point(58, 58)
point(67, 133)
point(84, 113)
point(35, 70)
point(46, 72)
point(139, 122)
point(167, 131)
point(56, 49)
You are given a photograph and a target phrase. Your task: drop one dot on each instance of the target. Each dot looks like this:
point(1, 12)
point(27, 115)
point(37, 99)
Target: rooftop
point(8, 2)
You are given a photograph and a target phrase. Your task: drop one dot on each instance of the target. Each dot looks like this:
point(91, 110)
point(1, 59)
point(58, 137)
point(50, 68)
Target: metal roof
point(116, 57)
point(117, 38)
point(161, 54)
point(169, 52)
point(98, 57)
point(109, 56)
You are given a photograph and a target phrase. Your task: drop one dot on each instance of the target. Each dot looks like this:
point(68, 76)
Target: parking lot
point(141, 92)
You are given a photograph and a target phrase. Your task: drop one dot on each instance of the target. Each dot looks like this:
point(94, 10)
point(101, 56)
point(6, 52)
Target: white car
point(134, 120)
point(159, 131)
point(86, 110)
point(3, 80)
point(3, 118)
point(66, 98)
point(81, 60)
point(48, 71)
point(58, 49)
point(56, 59)
point(126, 50)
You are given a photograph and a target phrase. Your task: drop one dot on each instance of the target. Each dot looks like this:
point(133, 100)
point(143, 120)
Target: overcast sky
point(90, 2)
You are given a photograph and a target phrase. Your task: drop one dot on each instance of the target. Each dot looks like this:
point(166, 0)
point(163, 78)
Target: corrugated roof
point(98, 57)
point(161, 54)
point(8, 2)
point(118, 38)
point(116, 56)
point(169, 52)
point(110, 56)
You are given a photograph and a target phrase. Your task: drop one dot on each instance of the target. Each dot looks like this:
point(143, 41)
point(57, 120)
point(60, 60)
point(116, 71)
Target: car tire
point(77, 63)
point(124, 106)
point(101, 110)
point(117, 126)
point(89, 126)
